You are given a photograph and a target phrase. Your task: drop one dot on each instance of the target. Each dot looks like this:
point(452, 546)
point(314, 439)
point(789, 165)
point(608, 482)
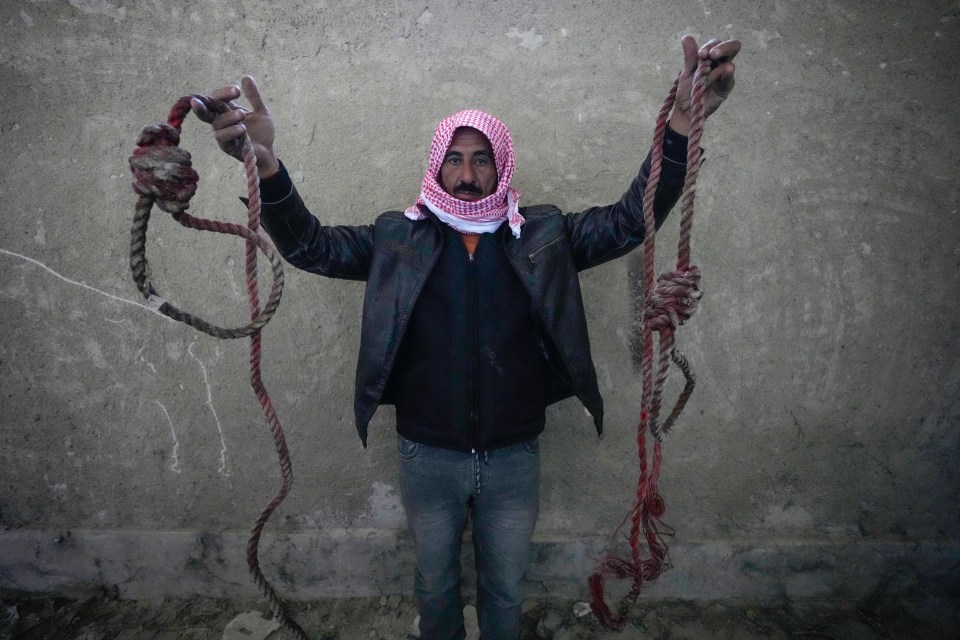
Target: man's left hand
point(719, 82)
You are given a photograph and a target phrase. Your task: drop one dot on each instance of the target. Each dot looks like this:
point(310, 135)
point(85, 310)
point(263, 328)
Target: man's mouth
point(467, 190)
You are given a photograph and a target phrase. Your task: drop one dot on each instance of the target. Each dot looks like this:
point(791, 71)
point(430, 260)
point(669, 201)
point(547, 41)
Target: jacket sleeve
point(333, 251)
point(599, 234)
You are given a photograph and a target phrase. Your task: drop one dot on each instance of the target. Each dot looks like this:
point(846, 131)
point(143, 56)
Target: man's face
point(468, 171)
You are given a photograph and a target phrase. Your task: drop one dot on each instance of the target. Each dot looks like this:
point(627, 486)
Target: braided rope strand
point(163, 176)
point(669, 301)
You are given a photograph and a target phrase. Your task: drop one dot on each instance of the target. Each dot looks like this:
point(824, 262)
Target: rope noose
point(668, 302)
point(163, 175)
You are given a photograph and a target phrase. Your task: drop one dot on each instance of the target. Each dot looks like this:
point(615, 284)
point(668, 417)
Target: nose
point(468, 174)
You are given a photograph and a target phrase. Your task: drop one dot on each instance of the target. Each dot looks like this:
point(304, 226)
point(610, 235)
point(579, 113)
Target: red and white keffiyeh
point(482, 216)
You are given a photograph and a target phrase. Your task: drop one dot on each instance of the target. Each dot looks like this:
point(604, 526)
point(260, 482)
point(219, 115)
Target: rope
point(669, 301)
point(163, 175)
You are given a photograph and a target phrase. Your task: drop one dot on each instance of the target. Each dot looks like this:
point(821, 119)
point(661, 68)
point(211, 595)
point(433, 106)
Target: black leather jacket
point(395, 255)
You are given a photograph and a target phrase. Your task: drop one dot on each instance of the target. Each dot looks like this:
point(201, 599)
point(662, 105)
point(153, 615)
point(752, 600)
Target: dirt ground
point(391, 618)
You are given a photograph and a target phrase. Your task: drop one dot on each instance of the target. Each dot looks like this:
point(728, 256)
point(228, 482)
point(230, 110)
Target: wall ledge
point(369, 562)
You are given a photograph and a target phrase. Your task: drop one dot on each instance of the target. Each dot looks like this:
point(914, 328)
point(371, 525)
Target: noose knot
point(162, 170)
point(673, 300)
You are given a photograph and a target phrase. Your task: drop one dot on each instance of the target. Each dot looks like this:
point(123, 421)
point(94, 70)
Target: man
point(473, 324)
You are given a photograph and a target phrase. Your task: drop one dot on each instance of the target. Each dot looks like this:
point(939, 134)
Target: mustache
point(467, 187)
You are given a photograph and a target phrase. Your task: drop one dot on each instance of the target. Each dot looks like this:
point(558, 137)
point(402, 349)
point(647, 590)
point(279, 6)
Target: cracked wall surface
point(825, 429)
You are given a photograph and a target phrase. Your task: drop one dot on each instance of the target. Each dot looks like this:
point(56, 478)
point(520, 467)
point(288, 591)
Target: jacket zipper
point(472, 313)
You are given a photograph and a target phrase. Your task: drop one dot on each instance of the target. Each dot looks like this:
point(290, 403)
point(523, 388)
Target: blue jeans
point(500, 490)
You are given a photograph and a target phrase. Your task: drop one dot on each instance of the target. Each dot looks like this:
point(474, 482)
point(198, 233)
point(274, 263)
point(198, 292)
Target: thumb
point(252, 94)
point(690, 59)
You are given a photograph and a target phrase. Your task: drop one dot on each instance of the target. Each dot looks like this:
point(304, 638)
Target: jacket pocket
point(547, 247)
point(393, 249)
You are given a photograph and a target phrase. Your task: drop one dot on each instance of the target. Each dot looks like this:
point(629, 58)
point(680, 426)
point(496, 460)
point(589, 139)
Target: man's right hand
point(230, 121)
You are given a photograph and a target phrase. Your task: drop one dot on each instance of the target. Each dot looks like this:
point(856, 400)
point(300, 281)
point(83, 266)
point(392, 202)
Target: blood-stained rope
point(669, 301)
point(163, 175)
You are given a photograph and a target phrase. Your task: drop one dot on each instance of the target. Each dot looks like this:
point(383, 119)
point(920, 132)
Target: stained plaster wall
point(818, 456)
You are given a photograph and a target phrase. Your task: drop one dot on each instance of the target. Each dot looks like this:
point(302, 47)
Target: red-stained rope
point(163, 175)
point(668, 302)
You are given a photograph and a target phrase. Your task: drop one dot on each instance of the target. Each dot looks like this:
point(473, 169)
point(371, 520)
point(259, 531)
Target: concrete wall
point(818, 456)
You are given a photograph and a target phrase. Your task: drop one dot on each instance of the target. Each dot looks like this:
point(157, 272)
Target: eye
point(454, 160)
point(481, 161)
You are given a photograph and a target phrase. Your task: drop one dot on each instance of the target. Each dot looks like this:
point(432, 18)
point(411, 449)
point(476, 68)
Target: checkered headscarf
point(482, 216)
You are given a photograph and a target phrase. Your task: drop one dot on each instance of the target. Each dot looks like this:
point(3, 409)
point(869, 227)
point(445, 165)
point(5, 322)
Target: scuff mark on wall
point(81, 284)
point(385, 508)
point(92, 347)
point(528, 39)
point(223, 443)
point(175, 454)
point(99, 7)
point(140, 358)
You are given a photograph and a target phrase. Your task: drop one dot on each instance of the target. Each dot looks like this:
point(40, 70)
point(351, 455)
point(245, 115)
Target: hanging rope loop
point(669, 301)
point(163, 175)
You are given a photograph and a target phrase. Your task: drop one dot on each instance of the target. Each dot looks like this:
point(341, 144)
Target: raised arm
point(334, 251)
point(604, 233)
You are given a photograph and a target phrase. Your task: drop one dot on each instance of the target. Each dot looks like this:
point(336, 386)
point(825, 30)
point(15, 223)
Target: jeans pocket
point(408, 449)
point(532, 446)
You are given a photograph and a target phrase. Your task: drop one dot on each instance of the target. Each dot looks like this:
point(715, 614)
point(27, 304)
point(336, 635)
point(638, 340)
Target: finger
point(721, 80)
point(689, 45)
point(227, 93)
point(220, 101)
point(721, 76)
point(230, 136)
point(726, 80)
point(704, 52)
point(201, 111)
point(213, 105)
point(228, 119)
point(720, 69)
point(252, 93)
point(725, 51)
